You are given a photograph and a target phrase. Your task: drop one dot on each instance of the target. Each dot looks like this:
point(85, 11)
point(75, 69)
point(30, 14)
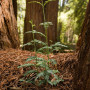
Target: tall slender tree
point(8, 27)
point(82, 72)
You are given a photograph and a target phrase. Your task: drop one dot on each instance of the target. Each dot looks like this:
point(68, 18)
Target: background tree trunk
point(82, 72)
point(81, 36)
point(15, 7)
point(34, 12)
point(51, 16)
point(8, 27)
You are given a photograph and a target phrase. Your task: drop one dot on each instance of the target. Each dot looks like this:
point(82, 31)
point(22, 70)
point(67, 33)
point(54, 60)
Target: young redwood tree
point(82, 72)
point(8, 27)
point(34, 12)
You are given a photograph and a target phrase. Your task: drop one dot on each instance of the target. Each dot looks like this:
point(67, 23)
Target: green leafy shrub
point(54, 48)
point(41, 73)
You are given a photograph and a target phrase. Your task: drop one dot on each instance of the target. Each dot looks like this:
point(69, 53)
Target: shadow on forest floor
point(10, 74)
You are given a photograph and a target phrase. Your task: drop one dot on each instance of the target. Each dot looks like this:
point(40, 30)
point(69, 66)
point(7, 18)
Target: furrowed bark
point(8, 26)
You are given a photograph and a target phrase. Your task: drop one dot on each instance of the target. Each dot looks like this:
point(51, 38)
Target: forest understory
point(10, 75)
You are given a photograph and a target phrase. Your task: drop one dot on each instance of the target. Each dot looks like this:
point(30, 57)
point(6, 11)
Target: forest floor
point(10, 74)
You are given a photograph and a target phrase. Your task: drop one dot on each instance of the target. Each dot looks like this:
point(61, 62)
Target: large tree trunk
point(15, 7)
point(81, 36)
point(34, 12)
point(8, 27)
point(82, 72)
point(51, 16)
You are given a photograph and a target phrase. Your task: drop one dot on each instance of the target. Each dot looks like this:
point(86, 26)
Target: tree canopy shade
point(82, 72)
point(8, 26)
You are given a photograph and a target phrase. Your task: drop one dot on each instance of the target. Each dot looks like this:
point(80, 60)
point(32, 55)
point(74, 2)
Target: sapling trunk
point(43, 7)
point(43, 11)
point(35, 47)
point(34, 42)
point(47, 51)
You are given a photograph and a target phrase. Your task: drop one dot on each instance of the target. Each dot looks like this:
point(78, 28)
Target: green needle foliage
point(34, 41)
point(42, 72)
point(57, 47)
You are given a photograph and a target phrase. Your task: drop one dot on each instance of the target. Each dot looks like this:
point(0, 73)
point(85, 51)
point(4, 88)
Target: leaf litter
point(10, 75)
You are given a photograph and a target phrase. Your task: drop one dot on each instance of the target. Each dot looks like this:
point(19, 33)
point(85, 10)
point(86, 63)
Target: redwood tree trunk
point(15, 7)
point(8, 27)
point(82, 72)
point(34, 12)
point(51, 16)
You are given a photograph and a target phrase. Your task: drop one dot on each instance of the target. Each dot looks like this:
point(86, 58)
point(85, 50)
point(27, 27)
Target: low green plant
point(57, 47)
point(42, 72)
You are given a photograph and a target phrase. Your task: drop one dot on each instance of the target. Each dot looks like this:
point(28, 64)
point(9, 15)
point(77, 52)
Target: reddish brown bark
point(8, 27)
point(34, 12)
point(51, 16)
point(15, 7)
point(81, 36)
point(82, 73)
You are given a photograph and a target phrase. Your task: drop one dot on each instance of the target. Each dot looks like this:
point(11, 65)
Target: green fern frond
point(38, 41)
point(46, 24)
point(45, 47)
point(29, 72)
point(41, 74)
point(27, 44)
point(35, 32)
point(26, 65)
point(52, 61)
point(31, 58)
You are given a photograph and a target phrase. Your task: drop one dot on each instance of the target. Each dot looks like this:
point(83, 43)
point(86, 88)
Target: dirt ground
point(10, 74)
